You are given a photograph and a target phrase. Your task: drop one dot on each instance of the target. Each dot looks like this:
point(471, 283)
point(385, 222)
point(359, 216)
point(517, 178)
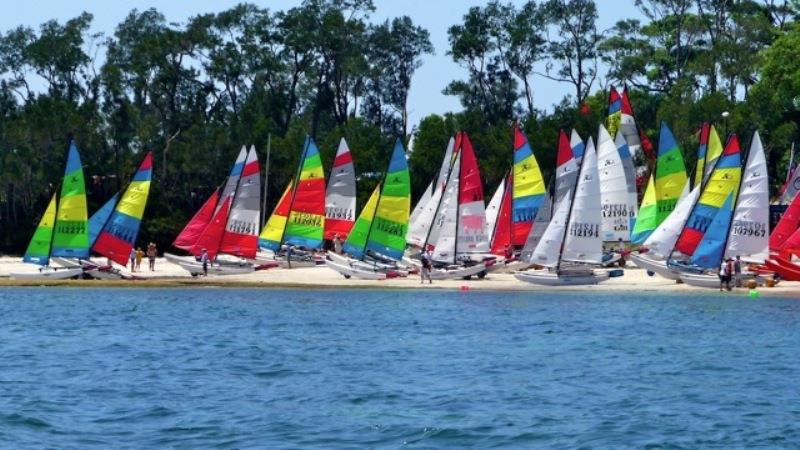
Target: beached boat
point(63, 230)
point(422, 218)
point(572, 245)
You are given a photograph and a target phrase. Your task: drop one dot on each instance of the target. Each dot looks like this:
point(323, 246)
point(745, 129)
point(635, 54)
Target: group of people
point(137, 255)
point(730, 270)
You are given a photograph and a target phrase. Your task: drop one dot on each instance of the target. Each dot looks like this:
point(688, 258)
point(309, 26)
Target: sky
point(435, 15)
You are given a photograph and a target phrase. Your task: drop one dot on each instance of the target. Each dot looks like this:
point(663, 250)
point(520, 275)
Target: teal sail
point(708, 254)
point(100, 217)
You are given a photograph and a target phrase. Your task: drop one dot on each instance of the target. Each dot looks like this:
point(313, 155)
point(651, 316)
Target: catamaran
point(422, 217)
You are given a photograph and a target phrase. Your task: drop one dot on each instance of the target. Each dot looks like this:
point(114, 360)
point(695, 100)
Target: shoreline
point(169, 275)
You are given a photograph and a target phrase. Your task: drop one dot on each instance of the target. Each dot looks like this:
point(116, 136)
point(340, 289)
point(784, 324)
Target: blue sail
point(100, 217)
point(708, 254)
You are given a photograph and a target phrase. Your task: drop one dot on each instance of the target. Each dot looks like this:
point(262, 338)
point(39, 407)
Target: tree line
point(195, 92)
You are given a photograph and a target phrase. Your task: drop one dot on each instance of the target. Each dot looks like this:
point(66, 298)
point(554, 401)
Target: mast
point(439, 204)
point(738, 192)
point(458, 203)
point(571, 202)
point(266, 182)
point(375, 213)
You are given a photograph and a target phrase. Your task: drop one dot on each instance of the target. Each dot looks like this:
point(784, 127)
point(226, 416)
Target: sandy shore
point(168, 274)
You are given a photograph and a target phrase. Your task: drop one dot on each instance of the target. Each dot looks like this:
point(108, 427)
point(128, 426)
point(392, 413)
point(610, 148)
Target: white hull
point(712, 281)
point(269, 258)
point(189, 264)
point(568, 278)
point(49, 273)
point(348, 271)
point(366, 265)
point(458, 272)
point(659, 267)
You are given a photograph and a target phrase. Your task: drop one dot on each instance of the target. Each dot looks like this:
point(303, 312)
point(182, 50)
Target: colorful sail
point(583, 242)
point(627, 125)
point(749, 233)
point(307, 213)
point(233, 178)
point(528, 188)
point(709, 251)
point(192, 231)
point(501, 226)
point(630, 178)
point(71, 236)
point(789, 223)
point(614, 198)
point(388, 234)
point(702, 149)
point(713, 152)
point(566, 167)
point(38, 251)
point(614, 111)
point(670, 179)
point(724, 180)
point(272, 233)
point(211, 236)
point(661, 241)
point(100, 218)
point(577, 145)
point(241, 231)
point(790, 187)
point(647, 217)
point(357, 239)
point(119, 233)
point(472, 237)
point(340, 196)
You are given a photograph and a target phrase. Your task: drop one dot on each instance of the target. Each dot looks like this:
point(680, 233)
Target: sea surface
point(248, 368)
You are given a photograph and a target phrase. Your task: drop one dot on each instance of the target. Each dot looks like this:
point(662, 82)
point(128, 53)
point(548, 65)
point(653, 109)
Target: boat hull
point(548, 278)
point(659, 267)
point(348, 271)
point(49, 273)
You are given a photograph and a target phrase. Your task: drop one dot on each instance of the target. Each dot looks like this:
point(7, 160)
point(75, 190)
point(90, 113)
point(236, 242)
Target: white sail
point(630, 177)
point(661, 242)
point(340, 195)
point(233, 178)
point(749, 232)
point(547, 249)
point(614, 195)
point(583, 243)
point(419, 228)
point(445, 226)
point(421, 203)
point(540, 224)
point(245, 212)
point(566, 176)
point(493, 209)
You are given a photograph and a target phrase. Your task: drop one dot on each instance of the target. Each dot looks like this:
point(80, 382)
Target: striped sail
point(357, 239)
point(702, 151)
point(241, 230)
point(211, 236)
point(647, 217)
point(577, 145)
point(662, 240)
point(614, 111)
point(233, 178)
point(472, 237)
point(614, 197)
point(38, 251)
point(272, 233)
point(307, 213)
point(630, 177)
point(724, 180)
point(749, 231)
point(583, 242)
point(118, 236)
point(71, 235)
point(566, 167)
point(713, 152)
point(340, 195)
point(709, 251)
point(388, 234)
point(670, 179)
point(192, 231)
point(528, 189)
point(627, 125)
point(100, 218)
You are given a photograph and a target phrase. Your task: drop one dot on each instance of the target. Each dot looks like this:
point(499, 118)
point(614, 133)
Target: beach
point(171, 275)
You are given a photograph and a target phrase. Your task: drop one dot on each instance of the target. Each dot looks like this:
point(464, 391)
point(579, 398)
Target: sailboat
point(340, 195)
point(572, 242)
point(63, 230)
point(423, 215)
point(228, 231)
point(378, 239)
point(615, 195)
point(740, 228)
point(296, 229)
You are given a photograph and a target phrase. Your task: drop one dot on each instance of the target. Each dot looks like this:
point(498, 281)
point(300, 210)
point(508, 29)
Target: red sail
point(470, 184)
point(501, 238)
point(786, 226)
point(192, 231)
point(212, 234)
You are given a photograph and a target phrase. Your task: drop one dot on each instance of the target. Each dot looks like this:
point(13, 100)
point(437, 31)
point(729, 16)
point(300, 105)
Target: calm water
point(355, 369)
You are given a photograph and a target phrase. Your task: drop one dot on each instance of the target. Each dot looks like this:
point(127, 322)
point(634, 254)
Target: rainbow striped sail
point(723, 182)
point(671, 178)
point(307, 212)
point(38, 251)
point(118, 236)
point(71, 237)
point(357, 238)
point(614, 111)
point(528, 189)
point(708, 254)
point(387, 236)
point(272, 233)
point(708, 152)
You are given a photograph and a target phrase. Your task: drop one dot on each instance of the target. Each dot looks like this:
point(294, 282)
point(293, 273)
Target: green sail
point(388, 233)
point(38, 251)
point(357, 238)
point(71, 238)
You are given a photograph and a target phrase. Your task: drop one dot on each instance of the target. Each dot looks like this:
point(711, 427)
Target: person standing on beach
point(337, 244)
point(152, 252)
point(737, 271)
point(204, 261)
point(132, 257)
point(427, 265)
point(725, 271)
point(139, 257)
point(622, 251)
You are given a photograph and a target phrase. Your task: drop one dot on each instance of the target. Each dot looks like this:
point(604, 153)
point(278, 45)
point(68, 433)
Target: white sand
point(635, 280)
